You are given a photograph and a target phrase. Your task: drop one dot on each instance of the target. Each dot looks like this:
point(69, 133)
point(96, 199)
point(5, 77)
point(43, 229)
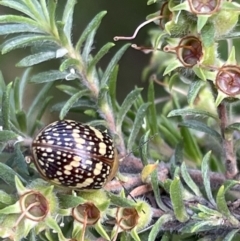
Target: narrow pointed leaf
point(86, 52)
point(125, 107)
point(38, 100)
point(172, 66)
point(112, 64)
point(7, 174)
point(207, 35)
point(230, 235)
point(112, 87)
point(68, 63)
point(23, 41)
point(137, 125)
point(152, 116)
point(93, 25)
point(158, 225)
point(202, 20)
point(52, 4)
point(36, 59)
point(200, 126)
point(192, 112)
point(17, 6)
point(193, 91)
point(68, 18)
point(22, 120)
point(45, 11)
point(70, 103)
point(67, 89)
point(49, 76)
point(189, 181)
point(206, 177)
point(68, 201)
point(155, 187)
point(40, 112)
point(18, 28)
point(103, 51)
point(6, 107)
point(177, 200)
point(19, 19)
point(120, 201)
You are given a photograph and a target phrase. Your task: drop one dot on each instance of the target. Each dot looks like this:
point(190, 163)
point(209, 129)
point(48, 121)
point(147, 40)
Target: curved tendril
point(116, 38)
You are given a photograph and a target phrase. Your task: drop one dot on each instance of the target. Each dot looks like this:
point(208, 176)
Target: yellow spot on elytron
point(77, 158)
point(79, 146)
point(102, 148)
point(59, 173)
point(50, 160)
point(98, 168)
point(88, 162)
point(68, 167)
point(97, 133)
point(66, 172)
point(75, 163)
point(86, 183)
point(79, 140)
point(75, 135)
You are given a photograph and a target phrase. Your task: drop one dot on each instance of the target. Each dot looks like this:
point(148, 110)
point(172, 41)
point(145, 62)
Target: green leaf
point(71, 102)
point(40, 112)
point(112, 87)
point(38, 100)
point(6, 107)
point(22, 120)
point(18, 28)
point(68, 201)
point(137, 125)
point(24, 41)
point(52, 4)
point(7, 174)
point(192, 112)
point(125, 107)
point(206, 177)
point(222, 204)
point(6, 198)
point(193, 91)
point(165, 218)
point(67, 18)
point(230, 235)
point(112, 64)
point(155, 187)
point(49, 76)
point(103, 51)
point(93, 25)
point(45, 10)
point(86, 56)
point(7, 135)
point(233, 127)
point(201, 21)
point(67, 89)
point(17, 6)
point(172, 66)
point(68, 63)
point(61, 34)
point(120, 201)
point(19, 19)
point(36, 59)
point(191, 146)
point(207, 35)
point(152, 113)
point(177, 200)
point(189, 181)
point(200, 126)
point(143, 148)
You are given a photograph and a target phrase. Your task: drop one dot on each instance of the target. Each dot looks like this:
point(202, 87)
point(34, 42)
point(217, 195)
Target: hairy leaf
point(125, 107)
point(137, 125)
point(6, 107)
point(70, 103)
point(177, 200)
point(112, 64)
point(49, 76)
point(206, 177)
point(93, 25)
point(193, 91)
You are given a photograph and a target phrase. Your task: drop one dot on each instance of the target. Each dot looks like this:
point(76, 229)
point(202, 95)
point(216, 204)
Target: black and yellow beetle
point(76, 155)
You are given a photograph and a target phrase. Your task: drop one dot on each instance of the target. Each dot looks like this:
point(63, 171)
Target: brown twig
point(227, 143)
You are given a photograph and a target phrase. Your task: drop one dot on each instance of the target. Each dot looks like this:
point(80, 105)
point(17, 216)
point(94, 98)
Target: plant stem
point(227, 144)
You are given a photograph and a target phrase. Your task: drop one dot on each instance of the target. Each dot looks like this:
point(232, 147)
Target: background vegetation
point(178, 176)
